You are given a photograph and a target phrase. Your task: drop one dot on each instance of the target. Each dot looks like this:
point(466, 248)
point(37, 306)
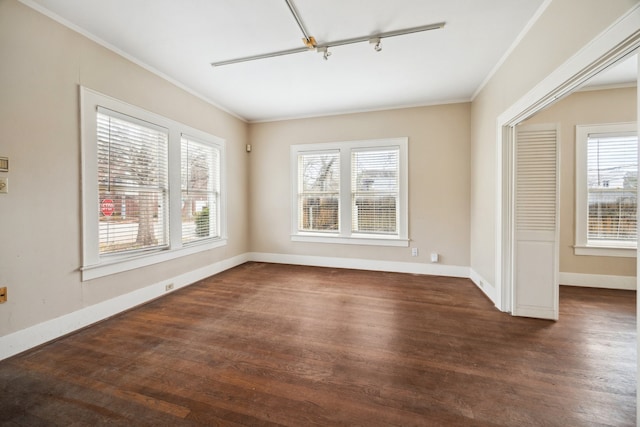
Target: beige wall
point(563, 29)
point(582, 108)
point(42, 66)
point(438, 180)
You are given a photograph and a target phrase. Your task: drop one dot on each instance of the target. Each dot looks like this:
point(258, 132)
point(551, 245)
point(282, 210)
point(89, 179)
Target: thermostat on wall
point(4, 164)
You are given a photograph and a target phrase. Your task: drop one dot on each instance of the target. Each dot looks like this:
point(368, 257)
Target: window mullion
point(345, 192)
point(175, 197)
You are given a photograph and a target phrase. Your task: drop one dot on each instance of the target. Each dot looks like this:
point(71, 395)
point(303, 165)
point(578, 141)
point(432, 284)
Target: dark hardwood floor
point(266, 344)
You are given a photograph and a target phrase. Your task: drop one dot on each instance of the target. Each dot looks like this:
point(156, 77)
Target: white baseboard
point(598, 281)
point(363, 264)
point(41, 333)
point(484, 285)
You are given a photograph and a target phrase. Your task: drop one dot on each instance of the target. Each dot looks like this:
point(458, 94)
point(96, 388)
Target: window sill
point(355, 240)
point(113, 265)
point(618, 251)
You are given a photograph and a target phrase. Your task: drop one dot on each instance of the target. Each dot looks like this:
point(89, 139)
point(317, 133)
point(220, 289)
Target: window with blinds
point(153, 189)
point(200, 178)
point(375, 191)
point(352, 192)
point(612, 180)
point(319, 191)
point(132, 183)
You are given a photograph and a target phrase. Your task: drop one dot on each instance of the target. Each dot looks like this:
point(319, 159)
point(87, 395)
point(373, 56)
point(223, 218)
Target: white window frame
point(95, 265)
point(344, 235)
point(215, 232)
point(582, 244)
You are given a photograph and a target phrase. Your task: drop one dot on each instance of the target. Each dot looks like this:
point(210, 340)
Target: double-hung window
point(606, 189)
point(350, 192)
point(133, 184)
point(152, 187)
point(200, 180)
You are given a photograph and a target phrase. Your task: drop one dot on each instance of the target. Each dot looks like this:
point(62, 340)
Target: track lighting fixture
point(376, 42)
point(311, 44)
point(324, 50)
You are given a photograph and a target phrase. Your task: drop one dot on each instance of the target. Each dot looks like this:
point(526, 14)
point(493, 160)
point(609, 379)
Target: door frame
point(620, 40)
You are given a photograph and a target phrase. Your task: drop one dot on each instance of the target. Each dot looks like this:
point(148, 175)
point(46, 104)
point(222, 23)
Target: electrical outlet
point(435, 257)
point(414, 251)
point(3, 294)
point(168, 287)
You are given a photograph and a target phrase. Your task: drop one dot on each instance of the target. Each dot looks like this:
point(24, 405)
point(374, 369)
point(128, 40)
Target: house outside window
point(350, 192)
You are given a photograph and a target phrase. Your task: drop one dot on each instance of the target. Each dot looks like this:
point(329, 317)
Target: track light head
point(376, 44)
point(325, 52)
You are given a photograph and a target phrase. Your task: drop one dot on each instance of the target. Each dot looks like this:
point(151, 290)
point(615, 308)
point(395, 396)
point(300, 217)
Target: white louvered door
point(536, 258)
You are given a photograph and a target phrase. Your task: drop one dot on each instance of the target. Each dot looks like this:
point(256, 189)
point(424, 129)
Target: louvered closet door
point(536, 259)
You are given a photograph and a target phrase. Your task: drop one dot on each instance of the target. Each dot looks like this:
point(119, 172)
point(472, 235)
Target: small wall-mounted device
point(434, 257)
point(248, 148)
point(4, 185)
point(4, 164)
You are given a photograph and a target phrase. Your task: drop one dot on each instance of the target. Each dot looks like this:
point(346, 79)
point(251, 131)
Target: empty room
point(296, 212)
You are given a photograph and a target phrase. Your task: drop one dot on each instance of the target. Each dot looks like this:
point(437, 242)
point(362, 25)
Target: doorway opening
point(621, 41)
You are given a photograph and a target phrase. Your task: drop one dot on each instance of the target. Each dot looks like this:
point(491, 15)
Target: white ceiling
point(179, 40)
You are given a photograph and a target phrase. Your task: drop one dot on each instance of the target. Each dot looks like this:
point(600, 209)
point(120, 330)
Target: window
point(319, 194)
point(375, 190)
point(132, 183)
point(200, 190)
point(606, 193)
point(152, 187)
point(350, 192)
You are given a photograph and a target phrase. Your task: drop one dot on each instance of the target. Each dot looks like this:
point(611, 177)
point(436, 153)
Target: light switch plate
point(4, 184)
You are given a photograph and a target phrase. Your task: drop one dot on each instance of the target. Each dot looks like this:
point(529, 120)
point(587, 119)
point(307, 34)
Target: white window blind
point(200, 178)
point(375, 191)
point(612, 179)
point(319, 191)
point(132, 183)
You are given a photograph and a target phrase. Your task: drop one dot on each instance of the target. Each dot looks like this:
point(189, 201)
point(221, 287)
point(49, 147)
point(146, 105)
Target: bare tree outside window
point(132, 172)
point(319, 195)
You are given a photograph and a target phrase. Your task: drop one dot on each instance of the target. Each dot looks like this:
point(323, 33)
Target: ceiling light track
point(322, 47)
point(311, 44)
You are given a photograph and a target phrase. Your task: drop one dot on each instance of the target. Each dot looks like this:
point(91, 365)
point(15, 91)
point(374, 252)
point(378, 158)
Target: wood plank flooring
point(266, 344)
